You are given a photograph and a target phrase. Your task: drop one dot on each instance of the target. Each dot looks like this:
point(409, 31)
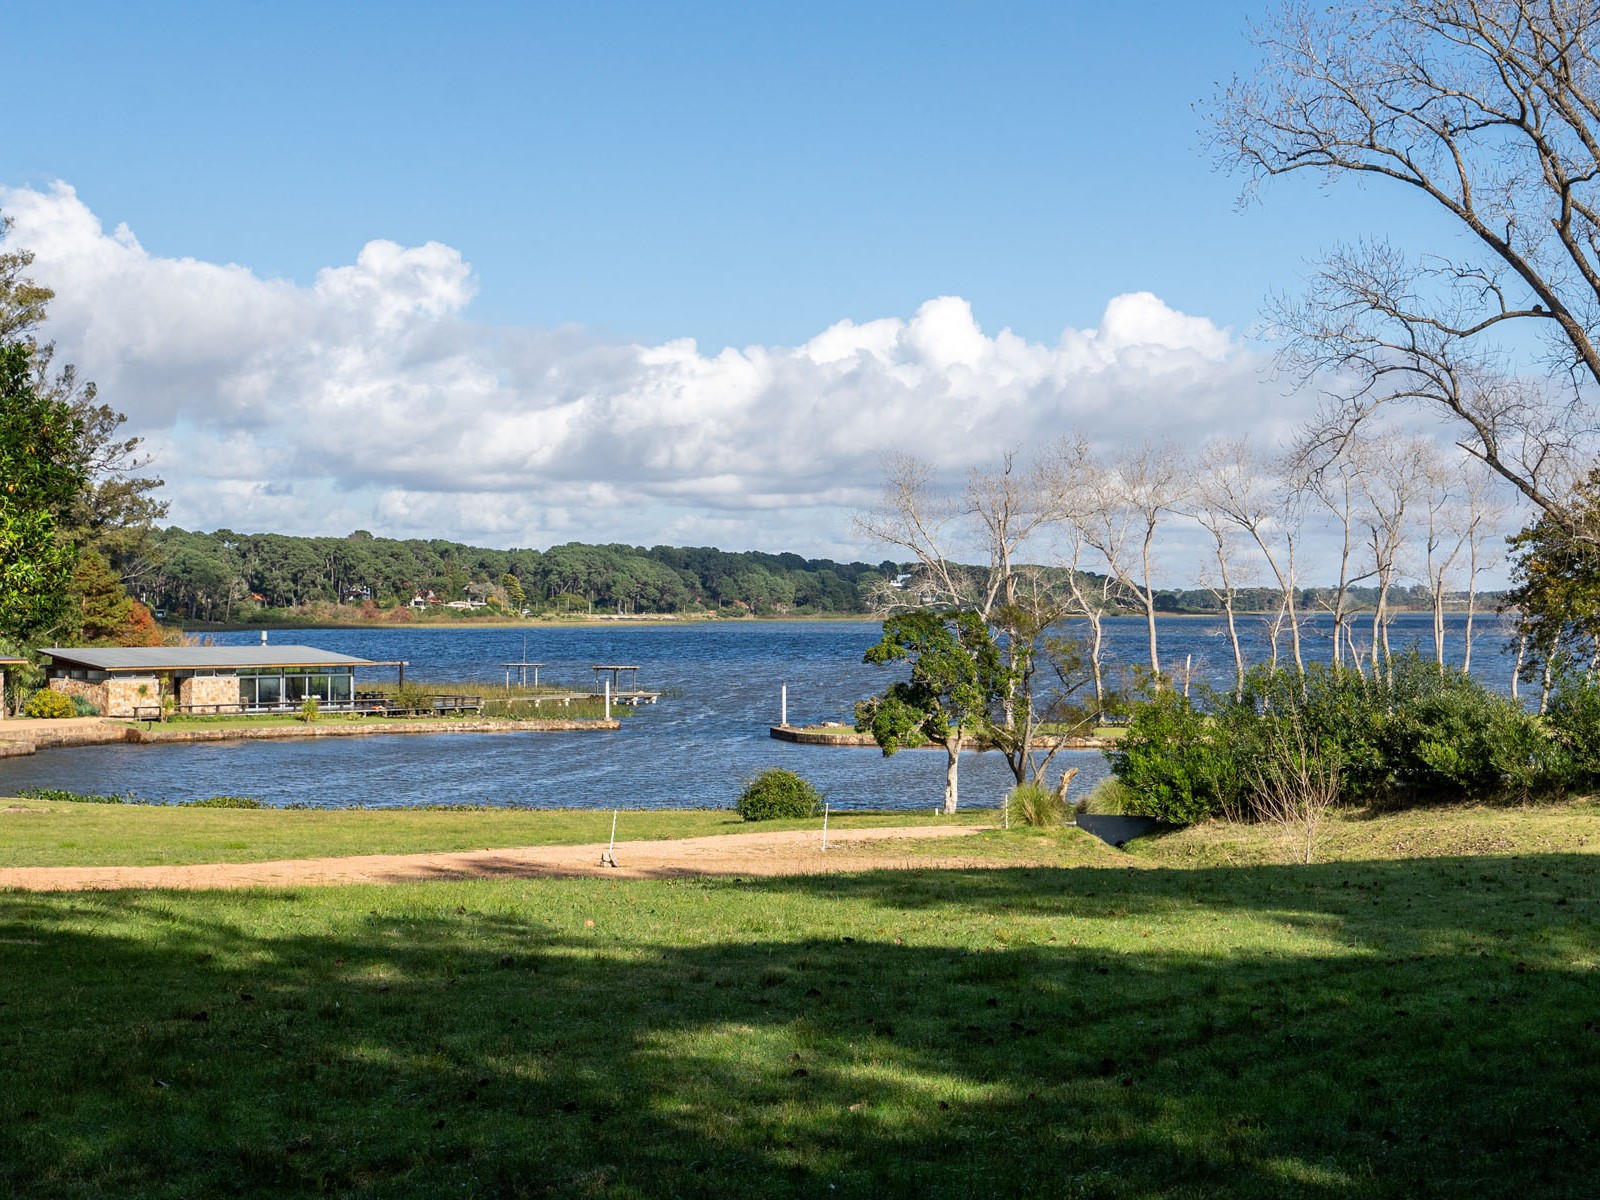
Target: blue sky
point(432, 271)
point(736, 173)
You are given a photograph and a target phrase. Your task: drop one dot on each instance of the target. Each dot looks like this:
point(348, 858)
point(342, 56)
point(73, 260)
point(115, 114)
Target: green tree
point(40, 476)
point(1556, 573)
point(112, 509)
point(958, 678)
point(515, 599)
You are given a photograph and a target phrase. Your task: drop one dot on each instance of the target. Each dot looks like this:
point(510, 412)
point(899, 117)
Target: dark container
point(1119, 831)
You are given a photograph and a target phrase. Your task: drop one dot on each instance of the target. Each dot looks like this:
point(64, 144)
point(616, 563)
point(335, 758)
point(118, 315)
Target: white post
point(609, 858)
point(824, 825)
point(608, 699)
point(783, 704)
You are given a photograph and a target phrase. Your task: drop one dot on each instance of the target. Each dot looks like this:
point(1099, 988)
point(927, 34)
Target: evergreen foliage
point(213, 576)
point(777, 794)
point(1410, 734)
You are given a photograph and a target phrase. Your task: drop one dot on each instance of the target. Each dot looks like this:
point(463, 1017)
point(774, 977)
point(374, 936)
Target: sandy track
point(788, 853)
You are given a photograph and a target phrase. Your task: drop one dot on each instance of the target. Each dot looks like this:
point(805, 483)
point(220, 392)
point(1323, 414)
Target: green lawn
point(1371, 1026)
point(53, 833)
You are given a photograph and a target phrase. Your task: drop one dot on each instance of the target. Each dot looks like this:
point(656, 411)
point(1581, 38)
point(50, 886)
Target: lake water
point(693, 749)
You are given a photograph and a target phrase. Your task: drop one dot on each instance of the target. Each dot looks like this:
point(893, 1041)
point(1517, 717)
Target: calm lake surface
point(693, 749)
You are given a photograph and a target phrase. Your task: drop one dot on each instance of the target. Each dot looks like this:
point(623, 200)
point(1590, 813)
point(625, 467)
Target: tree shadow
point(1350, 1029)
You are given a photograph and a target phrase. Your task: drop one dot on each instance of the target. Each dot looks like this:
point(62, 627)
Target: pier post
point(783, 704)
point(608, 699)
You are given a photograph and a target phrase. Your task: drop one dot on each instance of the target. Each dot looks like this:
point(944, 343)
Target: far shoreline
point(691, 621)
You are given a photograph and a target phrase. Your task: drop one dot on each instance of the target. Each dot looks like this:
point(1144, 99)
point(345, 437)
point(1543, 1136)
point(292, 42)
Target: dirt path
point(790, 853)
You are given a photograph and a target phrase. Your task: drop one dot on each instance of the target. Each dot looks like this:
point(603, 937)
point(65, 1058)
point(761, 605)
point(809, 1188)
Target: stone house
point(129, 681)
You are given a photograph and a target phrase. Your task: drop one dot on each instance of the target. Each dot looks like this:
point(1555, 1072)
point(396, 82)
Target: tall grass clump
point(1034, 804)
point(776, 793)
point(1109, 798)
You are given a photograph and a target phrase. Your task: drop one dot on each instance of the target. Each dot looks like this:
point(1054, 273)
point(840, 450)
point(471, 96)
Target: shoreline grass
point(1376, 1026)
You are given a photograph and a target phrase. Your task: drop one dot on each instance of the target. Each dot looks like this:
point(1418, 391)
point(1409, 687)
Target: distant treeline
point(224, 576)
point(220, 576)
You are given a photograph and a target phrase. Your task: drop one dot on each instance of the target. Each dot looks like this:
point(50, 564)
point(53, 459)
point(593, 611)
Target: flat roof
point(189, 658)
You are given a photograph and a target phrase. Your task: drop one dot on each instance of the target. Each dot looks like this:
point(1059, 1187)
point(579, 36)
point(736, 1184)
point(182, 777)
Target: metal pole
point(783, 704)
point(824, 825)
point(608, 699)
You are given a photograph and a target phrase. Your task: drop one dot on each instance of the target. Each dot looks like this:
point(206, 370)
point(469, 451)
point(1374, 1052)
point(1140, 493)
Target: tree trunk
point(952, 748)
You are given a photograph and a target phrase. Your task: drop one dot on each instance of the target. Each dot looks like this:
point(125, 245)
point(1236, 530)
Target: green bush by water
point(1412, 735)
point(777, 793)
point(62, 794)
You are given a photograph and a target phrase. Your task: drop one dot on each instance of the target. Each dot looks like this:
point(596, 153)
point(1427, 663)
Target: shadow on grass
point(1382, 1029)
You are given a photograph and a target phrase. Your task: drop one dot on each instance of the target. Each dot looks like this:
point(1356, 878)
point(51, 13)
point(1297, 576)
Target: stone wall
point(206, 690)
point(94, 693)
point(115, 697)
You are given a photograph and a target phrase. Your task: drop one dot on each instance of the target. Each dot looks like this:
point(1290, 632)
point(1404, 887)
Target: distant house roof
point(190, 658)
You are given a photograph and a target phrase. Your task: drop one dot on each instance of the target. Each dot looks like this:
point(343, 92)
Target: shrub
point(1174, 768)
point(50, 705)
point(82, 706)
point(777, 793)
point(309, 709)
point(1573, 719)
point(1034, 804)
point(1412, 734)
point(59, 794)
point(222, 802)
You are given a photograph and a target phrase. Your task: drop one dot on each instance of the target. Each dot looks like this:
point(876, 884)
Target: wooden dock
point(565, 699)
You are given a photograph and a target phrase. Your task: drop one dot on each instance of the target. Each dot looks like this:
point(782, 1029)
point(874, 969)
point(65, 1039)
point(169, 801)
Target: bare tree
point(1391, 489)
point(1244, 489)
point(1463, 513)
point(1330, 480)
point(1486, 511)
point(1444, 529)
point(917, 516)
point(1209, 511)
point(992, 519)
point(1490, 111)
point(1121, 505)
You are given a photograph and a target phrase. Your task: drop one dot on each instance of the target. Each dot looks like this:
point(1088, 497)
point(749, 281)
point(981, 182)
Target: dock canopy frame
point(616, 670)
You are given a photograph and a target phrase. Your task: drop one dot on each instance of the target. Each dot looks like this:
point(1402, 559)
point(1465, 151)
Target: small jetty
point(836, 733)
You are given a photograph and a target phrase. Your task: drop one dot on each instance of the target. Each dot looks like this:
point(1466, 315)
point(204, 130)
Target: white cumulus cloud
point(371, 399)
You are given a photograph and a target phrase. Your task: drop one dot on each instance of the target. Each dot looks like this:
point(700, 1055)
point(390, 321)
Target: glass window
point(269, 689)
